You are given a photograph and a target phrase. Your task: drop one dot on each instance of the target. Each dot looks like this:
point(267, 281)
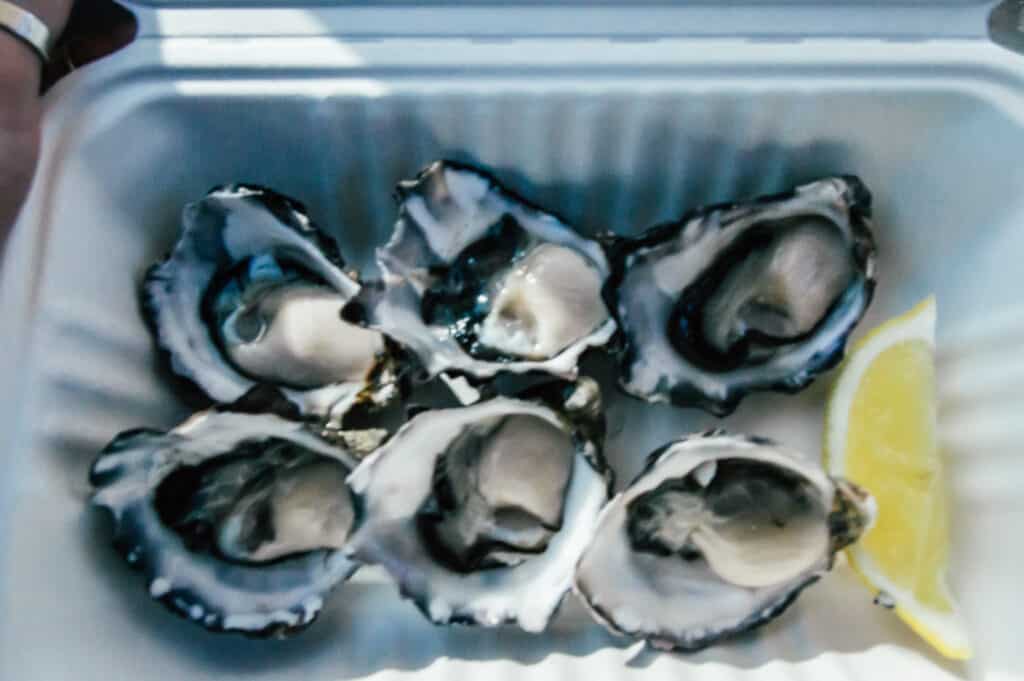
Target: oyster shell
point(718, 535)
point(236, 519)
point(477, 281)
point(742, 297)
point(252, 294)
point(479, 513)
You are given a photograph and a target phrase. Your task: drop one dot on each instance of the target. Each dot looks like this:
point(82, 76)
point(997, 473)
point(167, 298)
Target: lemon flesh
point(881, 434)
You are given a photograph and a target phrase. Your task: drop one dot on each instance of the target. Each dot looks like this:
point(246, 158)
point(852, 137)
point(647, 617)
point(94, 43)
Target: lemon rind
point(944, 631)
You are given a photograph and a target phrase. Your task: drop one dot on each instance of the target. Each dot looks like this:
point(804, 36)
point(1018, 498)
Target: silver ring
point(27, 27)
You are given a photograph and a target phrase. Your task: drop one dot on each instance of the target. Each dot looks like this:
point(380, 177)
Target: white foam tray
point(610, 134)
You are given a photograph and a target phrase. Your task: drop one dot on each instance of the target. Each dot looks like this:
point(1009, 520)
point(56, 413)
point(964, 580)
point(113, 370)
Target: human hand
point(94, 28)
point(20, 75)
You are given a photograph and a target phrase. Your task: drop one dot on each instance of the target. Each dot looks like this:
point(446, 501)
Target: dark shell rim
point(277, 204)
point(659, 639)
point(404, 188)
point(580, 432)
point(132, 543)
point(619, 249)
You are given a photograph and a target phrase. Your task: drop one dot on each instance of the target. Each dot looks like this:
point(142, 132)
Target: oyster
point(477, 281)
point(252, 294)
point(718, 535)
point(742, 297)
point(237, 520)
point(480, 512)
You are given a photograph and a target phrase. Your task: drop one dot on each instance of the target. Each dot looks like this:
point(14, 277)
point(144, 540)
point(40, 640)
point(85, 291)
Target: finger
point(95, 29)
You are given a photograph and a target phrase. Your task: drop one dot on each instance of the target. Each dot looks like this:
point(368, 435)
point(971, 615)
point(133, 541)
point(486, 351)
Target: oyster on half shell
point(252, 295)
point(479, 513)
point(741, 297)
point(476, 281)
point(718, 535)
point(236, 519)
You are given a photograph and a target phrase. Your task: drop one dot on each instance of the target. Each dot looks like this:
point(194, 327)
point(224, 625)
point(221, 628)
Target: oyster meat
point(236, 519)
point(480, 512)
point(477, 281)
point(252, 294)
point(742, 297)
point(718, 535)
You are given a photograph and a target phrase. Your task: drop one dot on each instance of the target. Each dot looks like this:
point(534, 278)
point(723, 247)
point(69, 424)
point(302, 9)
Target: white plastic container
point(614, 116)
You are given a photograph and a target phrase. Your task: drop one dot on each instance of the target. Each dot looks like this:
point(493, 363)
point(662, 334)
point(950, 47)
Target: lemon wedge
point(880, 433)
